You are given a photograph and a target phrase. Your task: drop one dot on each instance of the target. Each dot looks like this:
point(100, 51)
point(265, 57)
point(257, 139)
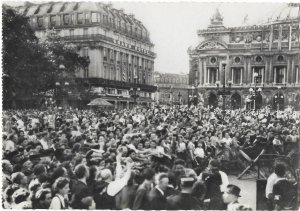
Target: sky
point(173, 25)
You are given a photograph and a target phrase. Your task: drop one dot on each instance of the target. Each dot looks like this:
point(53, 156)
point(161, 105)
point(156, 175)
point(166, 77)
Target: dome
point(285, 12)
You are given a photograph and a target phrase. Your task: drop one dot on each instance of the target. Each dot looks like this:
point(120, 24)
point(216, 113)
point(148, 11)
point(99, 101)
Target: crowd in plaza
point(165, 157)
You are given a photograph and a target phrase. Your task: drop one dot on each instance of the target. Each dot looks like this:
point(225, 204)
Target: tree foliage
point(29, 65)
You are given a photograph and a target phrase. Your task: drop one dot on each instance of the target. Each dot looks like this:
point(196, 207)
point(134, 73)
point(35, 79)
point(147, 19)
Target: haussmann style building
point(172, 89)
point(259, 64)
point(117, 45)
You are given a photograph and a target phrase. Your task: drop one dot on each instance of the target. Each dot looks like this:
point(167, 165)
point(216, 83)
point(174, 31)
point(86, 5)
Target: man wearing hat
point(184, 200)
point(231, 195)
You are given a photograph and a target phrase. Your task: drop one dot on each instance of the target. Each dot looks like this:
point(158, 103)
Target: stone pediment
point(211, 44)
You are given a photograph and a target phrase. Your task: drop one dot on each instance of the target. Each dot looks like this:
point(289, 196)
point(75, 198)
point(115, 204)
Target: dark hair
point(93, 172)
point(280, 169)
point(58, 172)
point(21, 198)
point(60, 183)
point(148, 173)
point(43, 194)
point(39, 169)
point(80, 171)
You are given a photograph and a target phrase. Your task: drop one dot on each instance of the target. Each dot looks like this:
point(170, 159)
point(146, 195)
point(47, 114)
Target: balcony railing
point(117, 84)
point(92, 37)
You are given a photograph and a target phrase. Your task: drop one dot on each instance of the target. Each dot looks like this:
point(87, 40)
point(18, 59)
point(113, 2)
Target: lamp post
point(278, 98)
point(192, 97)
point(134, 90)
point(61, 89)
point(179, 99)
point(225, 90)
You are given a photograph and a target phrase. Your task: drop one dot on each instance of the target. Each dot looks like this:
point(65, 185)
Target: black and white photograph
point(150, 105)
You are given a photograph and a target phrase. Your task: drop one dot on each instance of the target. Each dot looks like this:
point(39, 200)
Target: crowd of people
point(164, 157)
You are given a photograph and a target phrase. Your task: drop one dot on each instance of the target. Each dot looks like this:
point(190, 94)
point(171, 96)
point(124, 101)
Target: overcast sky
point(173, 25)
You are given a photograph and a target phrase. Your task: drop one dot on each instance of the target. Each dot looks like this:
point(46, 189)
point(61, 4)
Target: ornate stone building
point(265, 56)
point(117, 45)
point(172, 88)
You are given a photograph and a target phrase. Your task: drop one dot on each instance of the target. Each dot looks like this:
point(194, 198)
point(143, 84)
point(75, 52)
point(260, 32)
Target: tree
point(31, 66)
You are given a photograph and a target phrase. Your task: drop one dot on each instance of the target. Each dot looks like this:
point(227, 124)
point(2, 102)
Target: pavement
point(248, 190)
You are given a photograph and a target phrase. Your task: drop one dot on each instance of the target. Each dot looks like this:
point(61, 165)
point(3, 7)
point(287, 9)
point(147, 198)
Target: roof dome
point(287, 12)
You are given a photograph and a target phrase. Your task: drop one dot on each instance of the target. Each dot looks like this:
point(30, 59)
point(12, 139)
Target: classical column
point(241, 70)
point(279, 37)
point(245, 71)
point(249, 70)
point(290, 38)
point(293, 69)
point(271, 38)
point(200, 69)
point(288, 70)
point(204, 69)
point(228, 68)
point(271, 73)
point(267, 72)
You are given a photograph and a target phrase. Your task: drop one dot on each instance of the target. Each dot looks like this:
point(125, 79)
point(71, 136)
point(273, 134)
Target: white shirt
point(270, 183)
point(57, 203)
point(225, 181)
point(227, 141)
point(199, 152)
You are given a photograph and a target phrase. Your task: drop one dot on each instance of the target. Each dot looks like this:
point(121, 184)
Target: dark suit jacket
point(183, 201)
point(156, 201)
point(286, 191)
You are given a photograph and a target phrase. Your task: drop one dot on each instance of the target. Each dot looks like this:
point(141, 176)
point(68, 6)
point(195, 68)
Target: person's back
point(183, 201)
point(284, 193)
point(125, 198)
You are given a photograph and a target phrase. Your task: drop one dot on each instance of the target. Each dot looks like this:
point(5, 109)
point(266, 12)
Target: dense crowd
point(144, 158)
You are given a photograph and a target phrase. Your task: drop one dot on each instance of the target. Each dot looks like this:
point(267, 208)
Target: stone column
point(204, 69)
point(267, 72)
point(245, 71)
point(200, 71)
point(287, 78)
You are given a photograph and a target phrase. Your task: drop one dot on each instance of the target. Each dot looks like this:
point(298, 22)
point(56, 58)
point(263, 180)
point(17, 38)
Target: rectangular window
point(53, 20)
point(119, 92)
point(87, 18)
point(104, 54)
point(66, 19)
point(80, 18)
point(95, 17)
point(279, 73)
point(86, 52)
point(71, 32)
point(72, 20)
point(259, 71)
point(85, 31)
point(237, 75)
point(212, 75)
point(40, 21)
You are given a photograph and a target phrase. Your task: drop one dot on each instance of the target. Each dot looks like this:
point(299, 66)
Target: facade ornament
point(248, 38)
point(267, 36)
point(211, 45)
point(258, 38)
point(237, 39)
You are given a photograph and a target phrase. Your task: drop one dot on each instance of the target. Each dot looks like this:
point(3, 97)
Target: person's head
point(81, 171)
point(213, 165)
point(231, 194)
point(152, 144)
point(39, 169)
point(19, 178)
point(61, 186)
point(106, 175)
point(199, 189)
point(148, 174)
point(20, 195)
point(186, 184)
point(7, 167)
point(280, 169)
point(43, 197)
point(140, 146)
point(163, 181)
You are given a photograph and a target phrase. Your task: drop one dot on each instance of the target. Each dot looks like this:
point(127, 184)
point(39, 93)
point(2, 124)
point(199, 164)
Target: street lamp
point(192, 97)
point(278, 97)
point(61, 90)
point(225, 90)
point(134, 90)
point(179, 98)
